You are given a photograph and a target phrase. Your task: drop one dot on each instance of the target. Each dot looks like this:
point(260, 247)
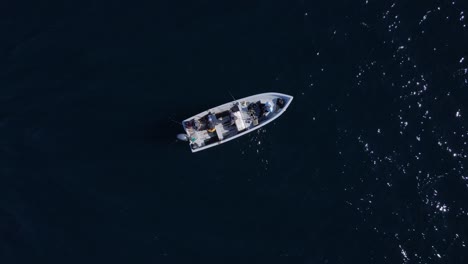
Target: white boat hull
point(234, 119)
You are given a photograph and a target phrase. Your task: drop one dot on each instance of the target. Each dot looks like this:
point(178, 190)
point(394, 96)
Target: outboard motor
point(183, 137)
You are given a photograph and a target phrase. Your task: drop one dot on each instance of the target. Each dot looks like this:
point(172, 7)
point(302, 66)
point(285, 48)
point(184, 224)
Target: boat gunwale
point(289, 99)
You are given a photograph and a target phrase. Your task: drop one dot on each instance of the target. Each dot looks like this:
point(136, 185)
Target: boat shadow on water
point(165, 129)
point(162, 131)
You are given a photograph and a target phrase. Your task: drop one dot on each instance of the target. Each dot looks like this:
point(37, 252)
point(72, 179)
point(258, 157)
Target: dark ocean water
point(366, 166)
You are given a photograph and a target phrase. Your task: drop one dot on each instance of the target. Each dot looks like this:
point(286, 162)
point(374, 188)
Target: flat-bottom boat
point(232, 120)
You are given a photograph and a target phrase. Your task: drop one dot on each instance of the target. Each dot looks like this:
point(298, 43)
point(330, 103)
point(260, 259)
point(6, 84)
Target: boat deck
point(231, 120)
point(224, 129)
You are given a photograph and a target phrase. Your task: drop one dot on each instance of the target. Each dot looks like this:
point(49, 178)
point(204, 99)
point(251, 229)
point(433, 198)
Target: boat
point(232, 120)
